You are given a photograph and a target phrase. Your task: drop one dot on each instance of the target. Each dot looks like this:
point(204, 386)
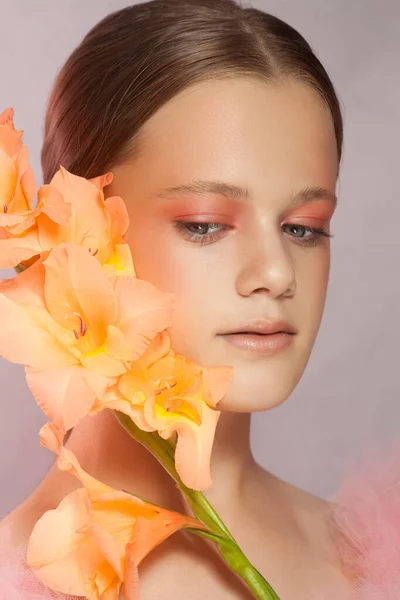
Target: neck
point(107, 452)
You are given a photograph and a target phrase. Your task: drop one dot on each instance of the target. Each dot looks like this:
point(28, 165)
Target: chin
point(249, 395)
point(260, 385)
point(256, 405)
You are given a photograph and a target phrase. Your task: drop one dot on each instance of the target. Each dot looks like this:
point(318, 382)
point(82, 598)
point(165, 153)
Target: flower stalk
point(163, 451)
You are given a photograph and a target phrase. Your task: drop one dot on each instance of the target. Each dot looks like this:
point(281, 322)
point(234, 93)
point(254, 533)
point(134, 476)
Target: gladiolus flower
point(96, 223)
point(69, 209)
point(76, 329)
point(17, 180)
point(97, 536)
point(167, 393)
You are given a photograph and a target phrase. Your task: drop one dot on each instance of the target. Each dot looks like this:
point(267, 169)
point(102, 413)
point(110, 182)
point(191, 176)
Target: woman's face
point(231, 259)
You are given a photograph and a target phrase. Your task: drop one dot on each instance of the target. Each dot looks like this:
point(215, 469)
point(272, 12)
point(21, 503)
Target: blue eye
point(313, 239)
point(203, 235)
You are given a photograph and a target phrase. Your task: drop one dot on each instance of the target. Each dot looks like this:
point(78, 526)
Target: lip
point(263, 327)
point(270, 343)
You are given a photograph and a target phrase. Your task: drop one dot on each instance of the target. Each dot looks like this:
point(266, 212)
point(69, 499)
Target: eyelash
point(182, 227)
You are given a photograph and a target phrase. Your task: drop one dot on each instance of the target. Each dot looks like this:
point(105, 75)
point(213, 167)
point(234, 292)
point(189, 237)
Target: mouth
point(256, 333)
point(263, 327)
point(267, 343)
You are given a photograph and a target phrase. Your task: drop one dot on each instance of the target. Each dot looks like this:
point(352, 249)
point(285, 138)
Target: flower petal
point(216, 381)
point(117, 344)
point(27, 291)
point(66, 560)
point(149, 533)
point(107, 546)
point(103, 363)
point(27, 286)
point(63, 394)
point(194, 444)
point(89, 225)
point(118, 212)
point(130, 587)
point(7, 116)
point(159, 347)
point(28, 184)
point(17, 180)
point(11, 221)
point(14, 250)
point(76, 285)
point(52, 204)
point(52, 437)
point(67, 461)
point(23, 341)
point(101, 493)
point(97, 536)
point(114, 400)
point(120, 262)
point(143, 311)
point(8, 178)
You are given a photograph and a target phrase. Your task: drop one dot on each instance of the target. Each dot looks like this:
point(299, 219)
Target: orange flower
point(69, 209)
point(97, 224)
point(76, 329)
point(17, 180)
point(97, 536)
point(167, 393)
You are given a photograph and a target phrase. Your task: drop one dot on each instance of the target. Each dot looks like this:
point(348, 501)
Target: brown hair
point(137, 58)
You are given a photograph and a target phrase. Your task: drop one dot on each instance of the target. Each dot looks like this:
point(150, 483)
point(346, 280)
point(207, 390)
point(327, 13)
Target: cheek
point(312, 265)
point(318, 276)
point(312, 290)
point(150, 250)
point(323, 266)
point(167, 262)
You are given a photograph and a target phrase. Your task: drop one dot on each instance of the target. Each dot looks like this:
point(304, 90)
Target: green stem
point(164, 451)
point(239, 563)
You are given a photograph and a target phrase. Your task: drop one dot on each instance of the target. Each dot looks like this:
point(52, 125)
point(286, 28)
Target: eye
point(204, 233)
point(200, 233)
point(315, 237)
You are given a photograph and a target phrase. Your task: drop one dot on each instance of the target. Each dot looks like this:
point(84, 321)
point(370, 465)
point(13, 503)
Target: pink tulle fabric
point(365, 528)
point(366, 525)
point(17, 580)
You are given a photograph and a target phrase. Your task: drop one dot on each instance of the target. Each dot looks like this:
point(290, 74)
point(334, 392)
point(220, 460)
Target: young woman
point(224, 134)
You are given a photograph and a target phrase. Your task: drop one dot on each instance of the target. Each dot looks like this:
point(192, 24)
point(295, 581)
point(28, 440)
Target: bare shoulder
point(20, 522)
point(283, 530)
point(289, 497)
point(309, 507)
point(300, 518)
point(191, 567)
point(17, 525)
point(292, 539)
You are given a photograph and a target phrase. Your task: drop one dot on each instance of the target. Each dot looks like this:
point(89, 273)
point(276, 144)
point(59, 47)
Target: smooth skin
point(228, 259)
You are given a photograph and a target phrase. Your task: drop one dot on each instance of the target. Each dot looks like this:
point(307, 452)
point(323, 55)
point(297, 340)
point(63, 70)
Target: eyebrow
point(230, 190)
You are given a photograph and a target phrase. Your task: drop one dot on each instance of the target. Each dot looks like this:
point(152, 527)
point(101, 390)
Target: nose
point(266, 265)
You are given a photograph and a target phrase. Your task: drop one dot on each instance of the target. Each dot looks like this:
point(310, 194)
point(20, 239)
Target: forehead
point(243, 130)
